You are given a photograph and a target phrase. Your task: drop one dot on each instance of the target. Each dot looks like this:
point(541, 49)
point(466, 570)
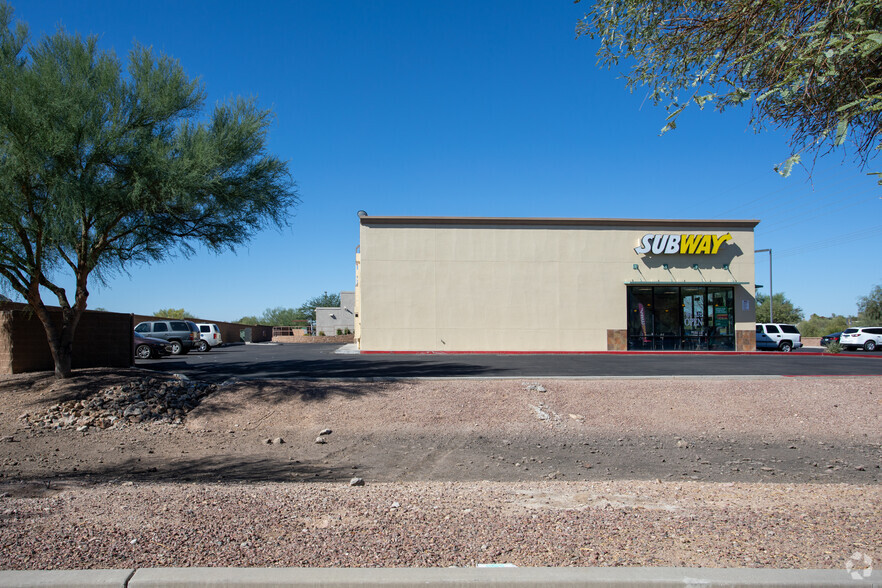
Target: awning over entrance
point(693, 283)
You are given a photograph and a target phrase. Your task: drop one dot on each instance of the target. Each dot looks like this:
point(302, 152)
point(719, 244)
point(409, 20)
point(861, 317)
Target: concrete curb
point(65, 578)
point(437, 577)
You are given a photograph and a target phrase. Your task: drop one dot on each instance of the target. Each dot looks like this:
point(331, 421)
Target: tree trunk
point(60, 339)
point(62, 357)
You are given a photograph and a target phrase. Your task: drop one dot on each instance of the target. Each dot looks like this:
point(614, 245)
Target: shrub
point(347, 331)
point(834, 347)
point(321, 334)
point(339, 331)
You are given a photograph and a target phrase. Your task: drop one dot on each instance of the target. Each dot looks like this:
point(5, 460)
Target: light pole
point(771, 290)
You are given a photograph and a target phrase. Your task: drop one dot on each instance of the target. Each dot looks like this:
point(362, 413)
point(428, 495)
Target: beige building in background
point(447, 284)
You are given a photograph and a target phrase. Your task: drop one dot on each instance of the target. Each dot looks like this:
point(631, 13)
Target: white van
point(211, 336)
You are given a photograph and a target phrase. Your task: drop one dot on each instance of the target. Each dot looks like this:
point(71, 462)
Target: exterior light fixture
point(726, 266)
point(635, 266)
point(695, 266)
point(664, 266)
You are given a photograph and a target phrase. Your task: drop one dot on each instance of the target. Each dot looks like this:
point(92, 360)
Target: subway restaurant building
point(447, 284)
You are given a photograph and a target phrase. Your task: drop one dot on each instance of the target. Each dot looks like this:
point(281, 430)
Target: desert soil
point(780, 472)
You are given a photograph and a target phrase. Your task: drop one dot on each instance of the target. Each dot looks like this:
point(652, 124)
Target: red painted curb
point(770, 353)
point(829, 376)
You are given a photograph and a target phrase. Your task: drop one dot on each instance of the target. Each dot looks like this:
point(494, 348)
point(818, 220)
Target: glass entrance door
point(667, 318)
point(694, 325)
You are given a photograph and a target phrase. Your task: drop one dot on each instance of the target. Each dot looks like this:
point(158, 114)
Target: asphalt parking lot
point(319, 360)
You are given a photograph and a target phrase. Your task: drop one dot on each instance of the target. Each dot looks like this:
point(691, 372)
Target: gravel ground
point(442, 524)
point(669, 472)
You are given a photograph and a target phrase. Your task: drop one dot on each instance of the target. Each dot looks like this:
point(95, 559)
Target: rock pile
point(144, 400)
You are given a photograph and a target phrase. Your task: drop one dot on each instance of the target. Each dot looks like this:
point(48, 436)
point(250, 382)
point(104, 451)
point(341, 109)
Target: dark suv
point(181, 335)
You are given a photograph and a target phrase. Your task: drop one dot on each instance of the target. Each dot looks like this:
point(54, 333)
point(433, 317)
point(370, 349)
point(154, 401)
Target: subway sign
point(689, 244)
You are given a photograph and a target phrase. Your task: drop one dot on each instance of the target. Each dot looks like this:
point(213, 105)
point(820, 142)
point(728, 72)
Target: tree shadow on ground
point(274, 393)
point(216, 469)
point(43, 387)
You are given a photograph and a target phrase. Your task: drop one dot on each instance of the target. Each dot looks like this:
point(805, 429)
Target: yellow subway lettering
point(719, 241)
point(688, 243)
point(704, 246)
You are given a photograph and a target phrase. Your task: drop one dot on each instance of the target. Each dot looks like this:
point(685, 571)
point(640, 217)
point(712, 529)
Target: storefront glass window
point(681, 317)
point(641, 318)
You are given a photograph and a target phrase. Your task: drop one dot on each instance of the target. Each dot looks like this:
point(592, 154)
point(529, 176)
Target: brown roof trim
point(568, 222)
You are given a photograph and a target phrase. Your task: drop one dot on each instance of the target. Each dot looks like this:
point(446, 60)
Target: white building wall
point(547, 286)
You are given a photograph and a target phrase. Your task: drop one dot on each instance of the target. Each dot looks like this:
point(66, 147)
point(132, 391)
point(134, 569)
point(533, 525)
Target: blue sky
point(464, 108)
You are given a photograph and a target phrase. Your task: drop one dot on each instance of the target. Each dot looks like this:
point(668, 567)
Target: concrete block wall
point(314, 339)
point(102, 339)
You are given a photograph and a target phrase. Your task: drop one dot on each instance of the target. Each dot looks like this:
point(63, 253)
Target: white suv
point(211, 336)
point(870, 338)
point(777, 336)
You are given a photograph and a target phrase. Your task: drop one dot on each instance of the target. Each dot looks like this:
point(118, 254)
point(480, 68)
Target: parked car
point(150, 348)
point(870, 338)
point(778, 336)
point(210, 336)
point(831, 338)
point(181, 335)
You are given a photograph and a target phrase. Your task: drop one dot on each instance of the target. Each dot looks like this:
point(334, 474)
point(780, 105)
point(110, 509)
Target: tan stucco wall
point(425, 287)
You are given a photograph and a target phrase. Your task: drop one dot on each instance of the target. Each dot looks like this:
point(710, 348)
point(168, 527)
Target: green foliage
point(870, 307)
point(834, 347)
point(782, 308)
point(279, 317)
point(307, 309)
point(103, 166)
point(818, 326)
point(300, 316)
point(173, 313)
point(321, 333)
point(811, 66)
point(339, 331)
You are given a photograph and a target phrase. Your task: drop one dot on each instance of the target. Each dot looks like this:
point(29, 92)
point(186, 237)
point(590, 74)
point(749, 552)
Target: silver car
point(210, 336)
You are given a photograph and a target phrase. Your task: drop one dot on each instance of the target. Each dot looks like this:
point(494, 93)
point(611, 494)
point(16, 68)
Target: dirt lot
point(713, 472)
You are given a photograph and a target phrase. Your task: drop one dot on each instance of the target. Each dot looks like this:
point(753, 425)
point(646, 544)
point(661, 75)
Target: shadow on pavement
point(330, 368)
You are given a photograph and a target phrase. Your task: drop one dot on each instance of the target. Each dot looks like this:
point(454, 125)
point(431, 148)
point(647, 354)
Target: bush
point(339, 331)
point(833, 347)
point(347, 332)
point(321, 334)
point(818, 326)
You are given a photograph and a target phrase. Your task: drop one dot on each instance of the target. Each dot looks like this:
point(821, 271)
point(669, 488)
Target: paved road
point(318, 360)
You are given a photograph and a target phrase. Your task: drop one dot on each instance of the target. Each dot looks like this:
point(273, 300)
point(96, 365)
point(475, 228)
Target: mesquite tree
point(813, 67)
point(102, 167)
